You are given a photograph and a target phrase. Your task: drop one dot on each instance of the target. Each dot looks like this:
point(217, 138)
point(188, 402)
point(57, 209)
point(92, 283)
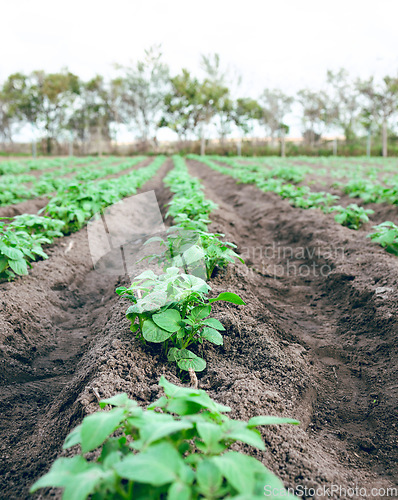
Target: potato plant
point(190, 209)
point(173, 309)
point(352, 216)
point(386, 234)
point(181, 453)
point(21, 241)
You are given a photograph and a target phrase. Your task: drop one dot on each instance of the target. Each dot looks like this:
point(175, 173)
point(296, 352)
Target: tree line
point(145, 97)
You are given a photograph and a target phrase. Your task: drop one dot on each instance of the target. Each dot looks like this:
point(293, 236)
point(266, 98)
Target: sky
point(286, 44)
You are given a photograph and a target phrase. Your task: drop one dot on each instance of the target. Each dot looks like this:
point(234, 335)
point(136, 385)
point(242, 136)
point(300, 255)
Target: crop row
point(20, 167)
point(13, 189)
point(352, 216)
point(23, 237)
point(181, 317)
point(183, 452)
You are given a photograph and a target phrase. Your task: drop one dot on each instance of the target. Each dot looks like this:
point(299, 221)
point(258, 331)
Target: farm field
point(316, 340)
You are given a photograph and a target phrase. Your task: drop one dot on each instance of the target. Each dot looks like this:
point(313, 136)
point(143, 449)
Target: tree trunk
point(48, 145)
point(99, 140)
point(384, 135)
point(283, 145)
point(239, 146)
point(368, 143)
point(335, 147)
point(202, 143)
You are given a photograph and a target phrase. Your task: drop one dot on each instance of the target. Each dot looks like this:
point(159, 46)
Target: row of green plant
point(173, 308)
point(273, 168)
point(371, 192)
point(299, 196)
point(352, 216)
point(79, 201)
point(13, 189)
point(22, 238)
point(20, 167)
point(179, 448)
point(21, 241)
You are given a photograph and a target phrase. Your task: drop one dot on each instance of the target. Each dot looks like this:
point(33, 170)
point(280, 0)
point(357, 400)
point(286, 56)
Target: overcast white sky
point(287, 44)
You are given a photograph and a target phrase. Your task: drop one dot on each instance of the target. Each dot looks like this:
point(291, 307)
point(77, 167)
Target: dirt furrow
point(334, 294)
point(49, 321)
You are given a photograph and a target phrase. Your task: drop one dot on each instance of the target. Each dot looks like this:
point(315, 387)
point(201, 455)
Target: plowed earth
point(316, 341)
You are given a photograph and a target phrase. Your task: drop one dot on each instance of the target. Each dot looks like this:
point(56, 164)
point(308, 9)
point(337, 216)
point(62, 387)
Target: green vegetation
point(352, 216)
point(190, 209)
point(14, 191)
point(146, 97)
point(173, 309)
point(386, 235)
point(23, 237)
point(21, 241)
point(182, 453)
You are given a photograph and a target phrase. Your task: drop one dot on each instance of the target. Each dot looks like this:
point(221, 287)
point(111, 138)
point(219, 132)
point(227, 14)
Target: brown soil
point(317, 347)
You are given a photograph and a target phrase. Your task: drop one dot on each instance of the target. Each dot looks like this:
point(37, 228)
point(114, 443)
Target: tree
point(6, 121)
point(143, 87)
point(381, 103)
point(246, 112)
point(191, 104)
point(275, 106)
point(317, 113)
point(17, 104)
point(225, 83)
point(212, 96)
point(182, 106)
point(93, 113)
point(344, 97)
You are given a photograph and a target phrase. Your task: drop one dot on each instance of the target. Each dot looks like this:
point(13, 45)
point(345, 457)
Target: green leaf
point(158, 465)
point(212, 336)
point(214, 323)
point(266, 420)
point(238, 470)
point(173, 354)
point(193, 254)
point(152, 333)
point(98, 426)
point(19, 266)
point(189, 359)
point(168, 320)
point(152, 302)
point(211, 434)
point(3, 263)
point(200, 312)
point(239, 431)
point(73, 438)
point(209, 478)
point(77, 476)
point(12, 253)
point(117, 400)
point(229, 297)
point(179, 491)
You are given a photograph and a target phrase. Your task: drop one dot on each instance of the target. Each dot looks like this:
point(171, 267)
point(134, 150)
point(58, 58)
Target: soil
point(316, 341)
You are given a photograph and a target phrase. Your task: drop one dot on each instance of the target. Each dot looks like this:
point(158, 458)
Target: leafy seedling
point(182, 453)
point(386, 234)
point(352, 216)
point(173, 309)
